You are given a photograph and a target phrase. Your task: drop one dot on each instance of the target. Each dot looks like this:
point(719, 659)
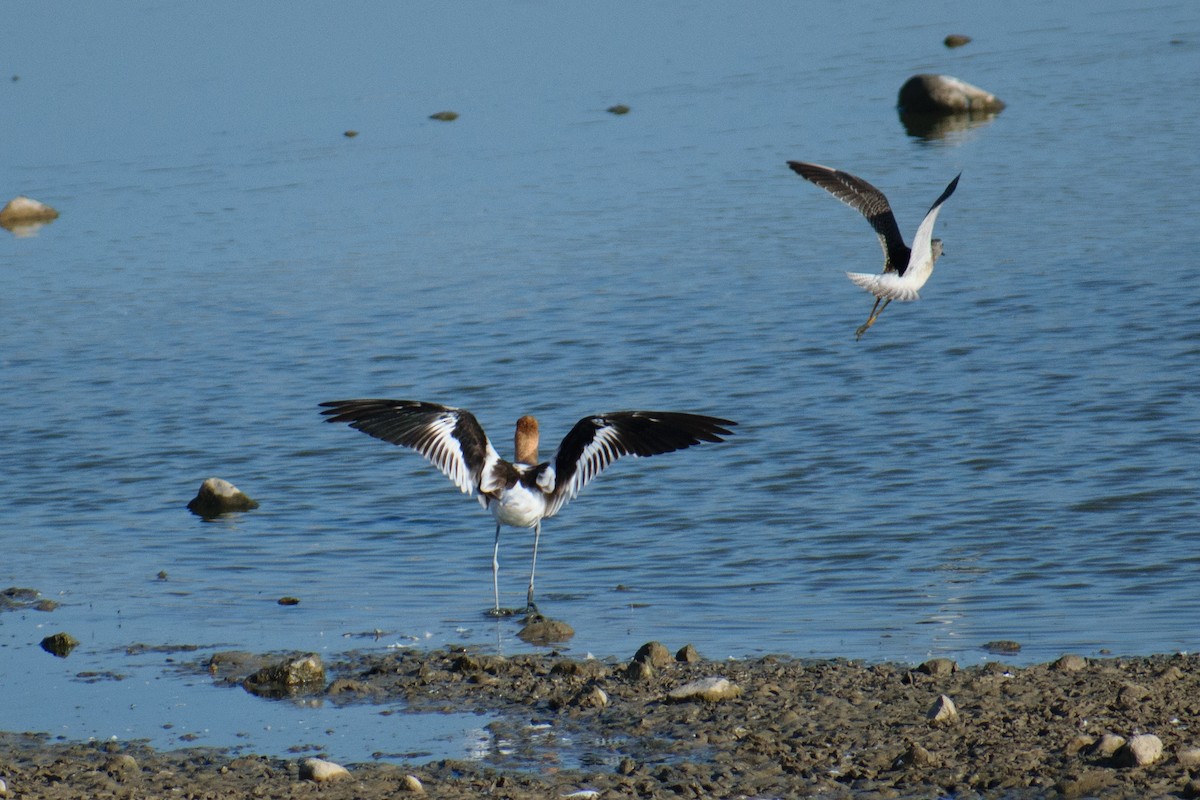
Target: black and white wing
point(449, 438)
point(597, 441)
point(868, 201)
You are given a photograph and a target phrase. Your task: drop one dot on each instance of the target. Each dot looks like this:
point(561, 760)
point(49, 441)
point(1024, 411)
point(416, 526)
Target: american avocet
point(523, 492)
point(904, 270)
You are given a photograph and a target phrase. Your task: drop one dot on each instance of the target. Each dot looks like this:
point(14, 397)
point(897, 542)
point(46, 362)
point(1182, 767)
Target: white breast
point(519, 507)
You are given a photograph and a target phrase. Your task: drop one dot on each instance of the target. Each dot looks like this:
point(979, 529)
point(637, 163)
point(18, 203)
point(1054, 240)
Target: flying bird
point(905, 270)
point(523, 492)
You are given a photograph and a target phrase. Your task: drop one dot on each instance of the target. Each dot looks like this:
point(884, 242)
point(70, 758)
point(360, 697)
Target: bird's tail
point(888, 285)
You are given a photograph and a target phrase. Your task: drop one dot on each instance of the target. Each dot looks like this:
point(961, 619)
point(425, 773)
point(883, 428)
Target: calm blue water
point(1013, 457)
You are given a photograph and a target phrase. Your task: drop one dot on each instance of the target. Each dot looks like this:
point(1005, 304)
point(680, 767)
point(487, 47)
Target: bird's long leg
point(537, 534)
point(496, 569)
point(871, 319)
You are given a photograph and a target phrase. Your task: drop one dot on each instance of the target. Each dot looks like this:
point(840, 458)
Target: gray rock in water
point(60, 644)
point(944, 94)
point(1140, 751)
point(290, 676)
point(956, 40)
point(687, 654)
point(543, 630)
point(216, 497)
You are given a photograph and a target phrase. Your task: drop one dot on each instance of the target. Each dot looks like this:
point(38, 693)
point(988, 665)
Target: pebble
point(639, 671)
point(956, 40)
point(1003, 647)
point(445, 116)
point(942, 710)
point(319, 770)
point(120, 765)
point(218, 496)
point(618, 109)
point(411, 783)
point(1140, 751)
point(710, 690)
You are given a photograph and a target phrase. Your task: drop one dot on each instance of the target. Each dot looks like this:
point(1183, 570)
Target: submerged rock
point(956, 40)
point(445, 116)
point(24, 215)
point(618, 109)
point(60, 644)
point(542, 630)
point(288, 677)
point(944, 94)
point(216, 497)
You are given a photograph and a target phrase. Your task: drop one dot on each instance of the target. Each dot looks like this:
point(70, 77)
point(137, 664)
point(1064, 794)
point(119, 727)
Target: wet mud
point(666, 725)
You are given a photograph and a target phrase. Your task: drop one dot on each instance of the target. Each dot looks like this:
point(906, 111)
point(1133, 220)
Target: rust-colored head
point(527, 440)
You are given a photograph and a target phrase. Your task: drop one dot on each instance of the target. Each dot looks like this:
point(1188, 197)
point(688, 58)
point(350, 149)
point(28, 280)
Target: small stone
point(410, 783)
point(654, 654)
point(944, 94)
point(1132, 695)
point(943, 710)
point(595, 697)
point(60, 644)
point(915, 756)
point(445, 116)
point(288, 601)
point(1109, 744)
point(541, 630)
point(939, 667)
point(1140, 751)
point(319, 770)
point(688, 655)
point(1085, 784)
point(45, 605)
point(956, 40)
point(350, 134)
point(1079, 743)
point(1070, 663)
point(216, 497)
point(618, 109)
point(1189, 757)
point(1005, 647)
point(710, 690)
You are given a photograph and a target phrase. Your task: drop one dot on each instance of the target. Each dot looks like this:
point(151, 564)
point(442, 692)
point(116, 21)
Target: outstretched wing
point(595, 442)
point(922, 250)
point(868, 201)
point(450, 438)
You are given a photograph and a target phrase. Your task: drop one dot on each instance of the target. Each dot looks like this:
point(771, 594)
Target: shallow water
point(1012, 457)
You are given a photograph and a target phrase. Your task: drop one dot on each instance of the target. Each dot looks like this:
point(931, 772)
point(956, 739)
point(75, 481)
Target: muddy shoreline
point(780, 727)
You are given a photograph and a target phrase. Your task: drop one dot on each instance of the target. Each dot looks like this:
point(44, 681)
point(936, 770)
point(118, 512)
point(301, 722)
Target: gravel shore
point(664, 724)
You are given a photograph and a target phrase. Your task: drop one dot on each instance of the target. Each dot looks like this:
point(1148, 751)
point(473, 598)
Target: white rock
point(412, 783)
point(1140, 750)
point(218, 496)
point(942, 710)
point(320, 770)
point(582, 794)
point(708, 689)
point(945, 94)
point(1109, 743)
point(26, 209)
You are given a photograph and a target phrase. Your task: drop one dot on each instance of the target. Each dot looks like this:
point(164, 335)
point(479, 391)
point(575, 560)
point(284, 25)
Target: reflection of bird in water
point(905, 270)
point(523, 492)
